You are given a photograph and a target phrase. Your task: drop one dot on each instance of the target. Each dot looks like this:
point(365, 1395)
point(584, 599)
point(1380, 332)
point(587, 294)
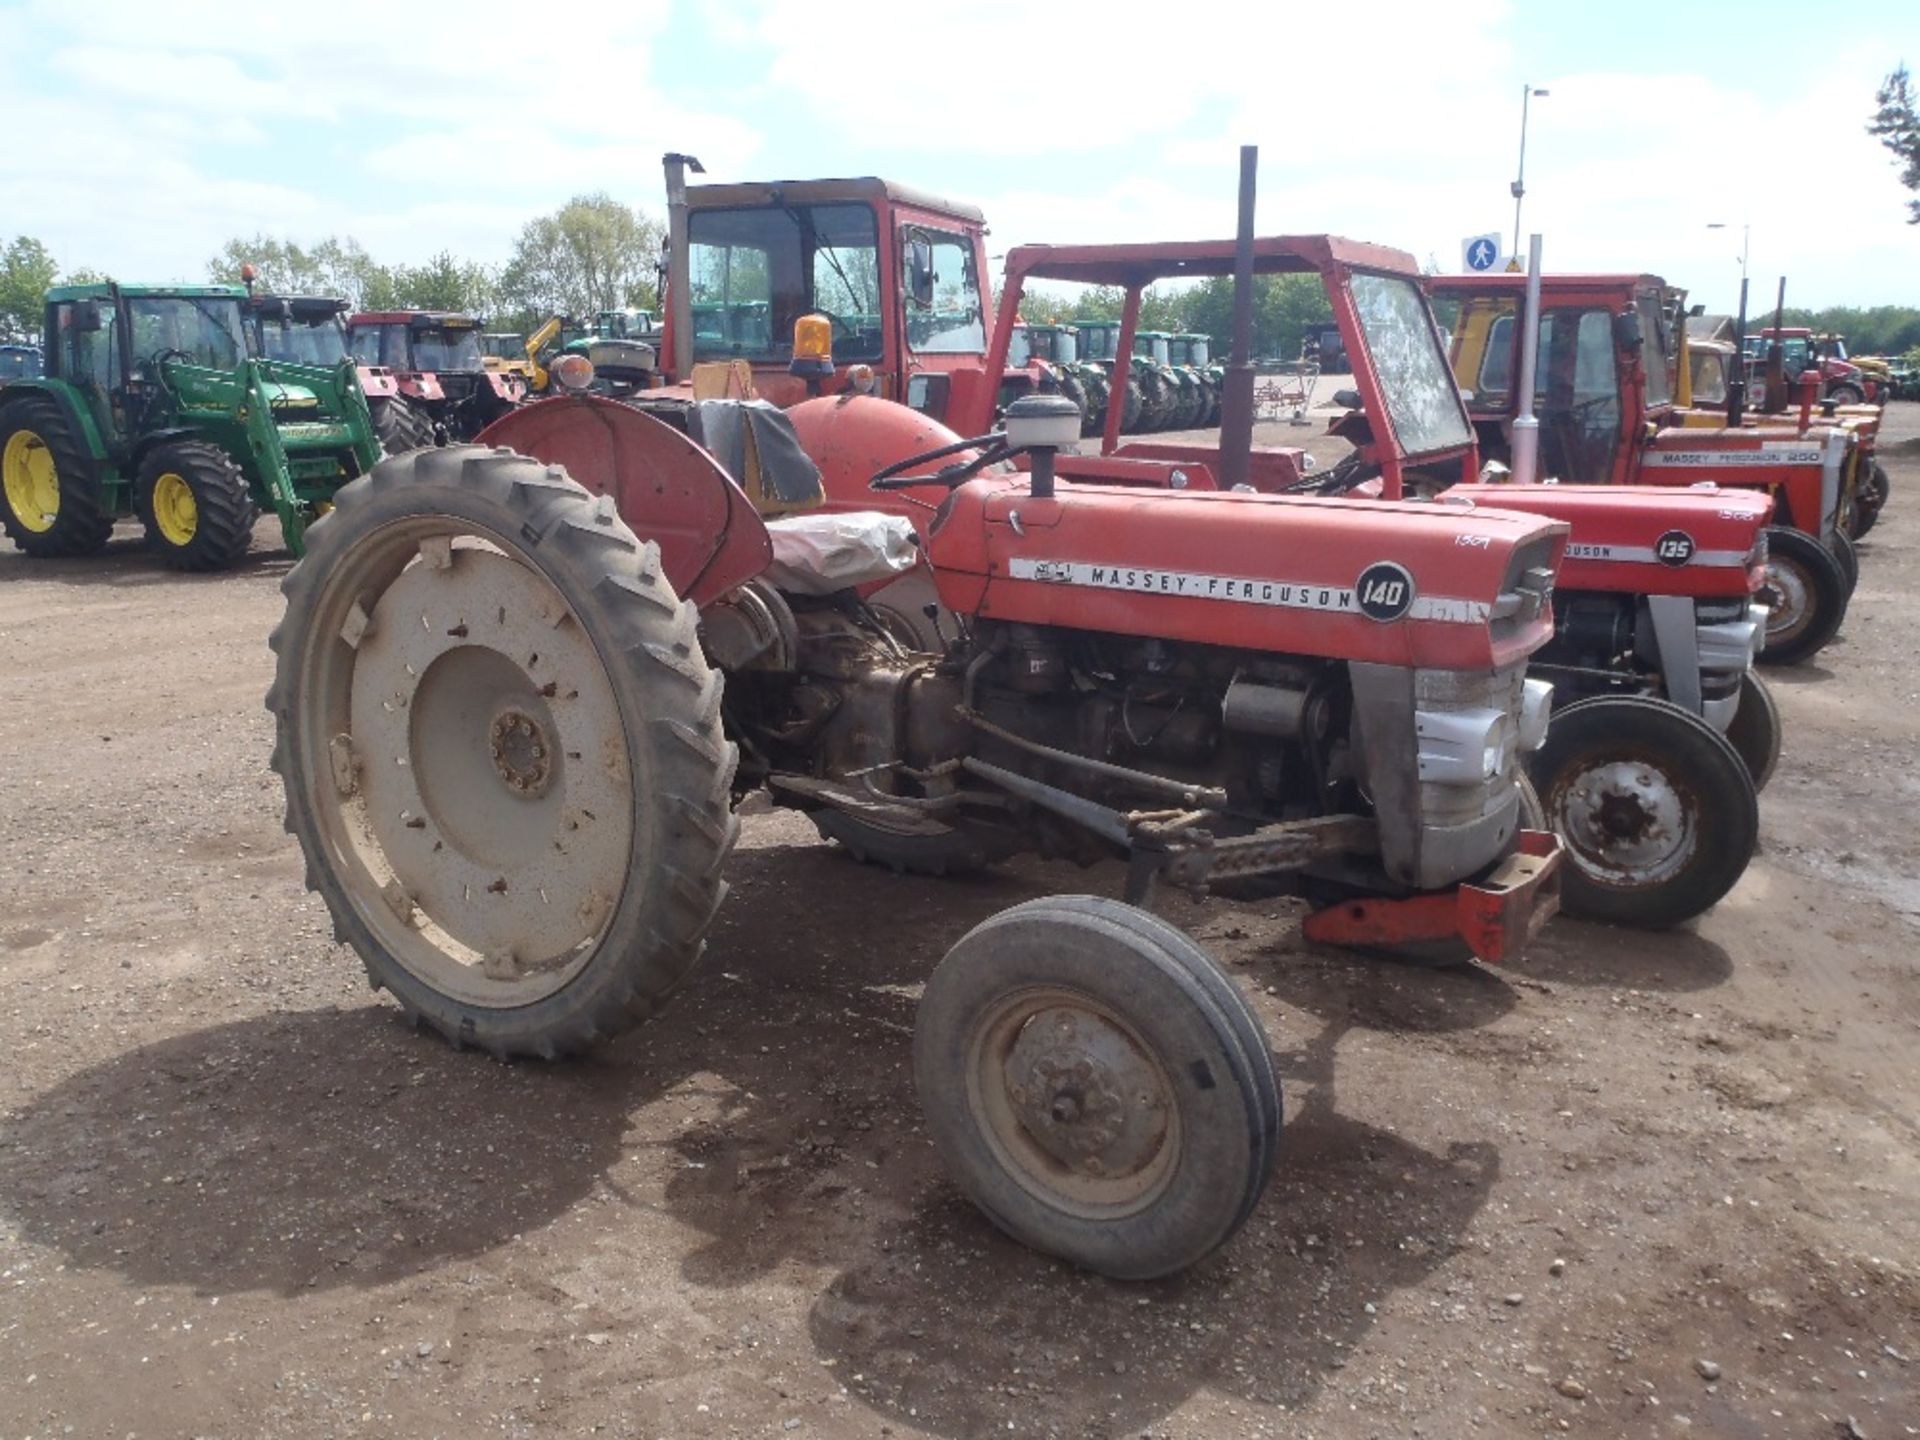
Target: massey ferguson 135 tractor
point(1605, 402)
point(151, 405)
point(312, 330)
point(519, 689)
point(1656, 626)
point(436, 359)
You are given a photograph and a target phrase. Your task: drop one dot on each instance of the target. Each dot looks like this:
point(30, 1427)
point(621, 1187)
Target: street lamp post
point(1519, 186)
point(1746, 235)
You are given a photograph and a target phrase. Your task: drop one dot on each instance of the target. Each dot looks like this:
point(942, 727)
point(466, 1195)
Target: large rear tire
point(1657, 810)
point(502, 750)
point(196, 506)
point(49, 487)
point(1805, 595)
point(399, 427)
point(1843, 550)
point(1097, 1085)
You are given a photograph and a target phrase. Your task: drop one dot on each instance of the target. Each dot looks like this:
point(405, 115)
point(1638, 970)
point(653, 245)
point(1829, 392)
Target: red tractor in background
point(1839, 379)
point(1651, 777)
point(1604, 394)
point(437, 365)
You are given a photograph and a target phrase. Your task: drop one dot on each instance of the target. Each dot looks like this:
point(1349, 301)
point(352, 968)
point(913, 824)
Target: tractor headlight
point(1536, 701)
point(1462, 747)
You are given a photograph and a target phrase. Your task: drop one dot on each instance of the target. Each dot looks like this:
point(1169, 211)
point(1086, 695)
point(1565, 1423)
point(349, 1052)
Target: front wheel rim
point(175, 512)
point(1629, 823)
point(31, 480)
point(1076, 1107)
point(1788, 595)
point(467, 760)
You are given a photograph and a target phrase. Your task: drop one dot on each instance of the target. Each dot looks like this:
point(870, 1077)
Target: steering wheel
point(160, 357)
point(993, 449)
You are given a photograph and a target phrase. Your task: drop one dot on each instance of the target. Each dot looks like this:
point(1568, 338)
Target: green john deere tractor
point(1195, 353)
point(152, 406)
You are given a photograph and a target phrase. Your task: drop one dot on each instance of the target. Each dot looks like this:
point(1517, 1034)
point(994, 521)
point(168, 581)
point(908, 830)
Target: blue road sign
point(1481, 253)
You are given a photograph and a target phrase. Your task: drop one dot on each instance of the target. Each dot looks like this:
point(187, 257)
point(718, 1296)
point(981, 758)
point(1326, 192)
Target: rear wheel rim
point(1628, 822)
point(175, 512)
point(468, 762)
point(1073, 1103)
point(31, 480)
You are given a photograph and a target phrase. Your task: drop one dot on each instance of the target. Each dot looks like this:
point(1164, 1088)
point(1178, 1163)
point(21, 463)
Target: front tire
point(1847, 394)
point(1806, 596)
point(1657, 810)
point(1755, 731)
point(196, 507)
point(1097, 1085)
point(502, 751)
point(49, 487)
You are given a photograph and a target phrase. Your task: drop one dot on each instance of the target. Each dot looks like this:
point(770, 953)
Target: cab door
point(1577, 395)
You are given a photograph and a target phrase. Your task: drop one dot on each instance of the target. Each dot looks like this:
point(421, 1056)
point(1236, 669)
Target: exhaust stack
point(679, 266)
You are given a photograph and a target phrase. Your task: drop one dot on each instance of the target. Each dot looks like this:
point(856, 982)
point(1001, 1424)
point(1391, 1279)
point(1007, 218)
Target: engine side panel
point(1411, 585)
point(1645, 540)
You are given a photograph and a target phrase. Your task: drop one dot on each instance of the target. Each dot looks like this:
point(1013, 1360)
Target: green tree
point(27, 269)
point(591, 254)
point(443, 283)
point(1896, 125)
point(332, 267)
point(1283, 307)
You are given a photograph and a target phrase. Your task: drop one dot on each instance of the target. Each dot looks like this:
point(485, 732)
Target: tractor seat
point(755, 443)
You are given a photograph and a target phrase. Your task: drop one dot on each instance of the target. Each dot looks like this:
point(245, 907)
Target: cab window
point(955, 322)
point(92, 358)
point(753, 272)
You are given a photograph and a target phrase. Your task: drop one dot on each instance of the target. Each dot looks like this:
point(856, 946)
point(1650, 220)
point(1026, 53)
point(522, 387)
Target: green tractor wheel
point(196, 507)
point(49, 493)
point(1158, 402)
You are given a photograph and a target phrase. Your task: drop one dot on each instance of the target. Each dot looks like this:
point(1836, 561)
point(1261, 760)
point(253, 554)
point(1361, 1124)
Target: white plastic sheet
point(819, 554)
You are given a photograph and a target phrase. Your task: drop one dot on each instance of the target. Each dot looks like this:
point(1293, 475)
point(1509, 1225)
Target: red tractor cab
point(436, 360)
point(900, 276)
point(1840, 380)
point(1604, 398)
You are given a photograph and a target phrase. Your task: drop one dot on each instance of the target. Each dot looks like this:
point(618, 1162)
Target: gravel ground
point(1641, 1185)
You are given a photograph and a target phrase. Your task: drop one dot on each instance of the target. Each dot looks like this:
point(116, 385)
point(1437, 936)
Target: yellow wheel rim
point(174, 512)
point(31, 481)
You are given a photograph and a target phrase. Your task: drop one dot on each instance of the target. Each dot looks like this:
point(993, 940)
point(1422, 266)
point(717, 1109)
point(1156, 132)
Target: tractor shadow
point(330, 1147)
point(1586, 953)
point(127, 561)
point(335, 1148)
point(313, 1149)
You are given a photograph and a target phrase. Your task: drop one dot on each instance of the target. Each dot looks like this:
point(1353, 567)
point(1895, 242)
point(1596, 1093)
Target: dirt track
point(239, 1198)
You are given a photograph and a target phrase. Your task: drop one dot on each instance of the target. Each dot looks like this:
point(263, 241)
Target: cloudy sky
point(139, 136)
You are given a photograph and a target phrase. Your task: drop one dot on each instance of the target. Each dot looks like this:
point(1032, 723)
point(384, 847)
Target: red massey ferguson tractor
point(1662, 732)
point(521, 687)
point(1604, 397)
point(435, 359)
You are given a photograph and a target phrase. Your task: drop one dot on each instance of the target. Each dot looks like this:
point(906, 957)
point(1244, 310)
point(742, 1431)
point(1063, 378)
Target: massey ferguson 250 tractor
point(521, 685)
point(1651, 778)
point(1604, 396)
point(436, 359)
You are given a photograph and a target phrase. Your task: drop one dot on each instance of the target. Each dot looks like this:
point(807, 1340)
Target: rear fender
point(665, 487)
point(70, 400)
point(377, 382)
